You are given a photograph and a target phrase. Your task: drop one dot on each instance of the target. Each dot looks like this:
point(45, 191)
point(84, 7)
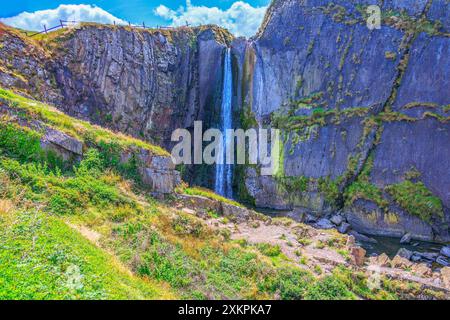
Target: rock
point(309, 218)
point(324, 224)
point(406, 239)
point(382, 260)
point(401, 263)
point(65, 146)
point(405, 253)
point(240, 213)
point(443, 261)
point(337, 220)
point(350, 242)
point(360, 237)
point(199, 203)
point(430, 256)
point(344, 227)
point(445, 251)
point(415, 258)
point(358, 256)
point(422, 270)
point(445, 276)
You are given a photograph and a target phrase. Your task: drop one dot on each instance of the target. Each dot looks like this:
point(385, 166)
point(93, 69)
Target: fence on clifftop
point(72, 23)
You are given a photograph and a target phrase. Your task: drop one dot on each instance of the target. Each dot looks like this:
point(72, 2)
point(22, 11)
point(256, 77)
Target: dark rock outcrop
point(363, 111)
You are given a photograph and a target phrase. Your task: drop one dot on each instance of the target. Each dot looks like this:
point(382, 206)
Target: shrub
point(269, 250)
point(328, 288)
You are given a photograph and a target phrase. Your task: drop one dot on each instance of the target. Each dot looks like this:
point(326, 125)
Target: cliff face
point(139, 82)
point(365, 113)
point(145, 83)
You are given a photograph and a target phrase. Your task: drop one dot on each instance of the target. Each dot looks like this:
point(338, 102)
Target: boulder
point(358, 256)
point(324, 224)
point(309, 218)
point(382, 260)
point(344, 227)
point(240, 213)
point(401, 263)
point(422, 270)
point(406, 239)
point(337, 219)
point(360, 237)
point(405, 253)
point(67, 147)
point(445, 276)
point(429, 256)
point(443, 261)
point(445, 251)
point(415, 258)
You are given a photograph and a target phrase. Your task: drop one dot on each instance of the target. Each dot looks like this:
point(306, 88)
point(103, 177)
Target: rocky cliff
point(364, 112)
point(145, 83)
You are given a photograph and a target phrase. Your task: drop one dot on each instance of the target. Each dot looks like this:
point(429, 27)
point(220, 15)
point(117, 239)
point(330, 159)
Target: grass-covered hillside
point(89, 230)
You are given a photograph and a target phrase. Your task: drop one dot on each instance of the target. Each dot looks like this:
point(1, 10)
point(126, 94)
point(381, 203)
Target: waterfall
point(224, 173)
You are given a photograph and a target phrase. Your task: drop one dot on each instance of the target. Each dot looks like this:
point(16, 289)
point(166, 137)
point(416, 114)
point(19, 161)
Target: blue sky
point(240, 16)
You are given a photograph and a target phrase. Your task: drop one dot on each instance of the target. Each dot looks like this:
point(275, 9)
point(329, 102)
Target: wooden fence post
point(45, 29)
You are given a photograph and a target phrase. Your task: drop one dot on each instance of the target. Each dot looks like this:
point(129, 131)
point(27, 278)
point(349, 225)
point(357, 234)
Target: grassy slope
point(41, 257)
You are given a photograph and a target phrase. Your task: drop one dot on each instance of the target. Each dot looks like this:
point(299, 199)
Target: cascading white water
point(224, 173)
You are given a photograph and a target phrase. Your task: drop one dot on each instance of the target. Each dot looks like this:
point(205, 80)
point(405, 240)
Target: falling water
point(224, 174)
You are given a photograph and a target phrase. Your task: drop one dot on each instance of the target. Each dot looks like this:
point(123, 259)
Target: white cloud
point(51, 17)
point(241, 18)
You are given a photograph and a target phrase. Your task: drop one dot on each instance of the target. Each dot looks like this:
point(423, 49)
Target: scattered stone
point(401, 263)
point(358, 256)
point(422, 270)
point(445, 276)
point(445, 251)
point(430, 256)
point(344, 227)
point(360, 237)
point(382, 260)
point(324, 224)
point(337, 220)
point(406, 239)
point(443, 261)
point(309, 218)
point(415, 258)
point(404, 253)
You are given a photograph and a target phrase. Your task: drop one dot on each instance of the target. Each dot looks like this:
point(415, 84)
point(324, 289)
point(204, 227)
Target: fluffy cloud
point(241, 18)
point(51, 17)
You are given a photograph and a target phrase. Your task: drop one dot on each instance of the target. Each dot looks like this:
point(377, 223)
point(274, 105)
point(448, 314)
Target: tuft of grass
point(416, 199)
point(203, 192)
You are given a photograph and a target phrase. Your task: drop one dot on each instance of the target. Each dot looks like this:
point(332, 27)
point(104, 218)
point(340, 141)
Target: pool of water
point(390, 246)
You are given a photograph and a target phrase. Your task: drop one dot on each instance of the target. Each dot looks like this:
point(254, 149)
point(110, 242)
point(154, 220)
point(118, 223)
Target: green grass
point(197, 191)
point(42, 258)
